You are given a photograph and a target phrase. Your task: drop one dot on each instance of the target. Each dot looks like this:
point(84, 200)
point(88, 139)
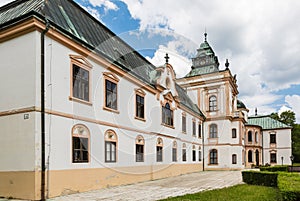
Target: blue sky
point(260, 38)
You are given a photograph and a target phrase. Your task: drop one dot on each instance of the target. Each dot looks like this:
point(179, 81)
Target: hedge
point(289, 186)
point(260, 178)
point(277, 168)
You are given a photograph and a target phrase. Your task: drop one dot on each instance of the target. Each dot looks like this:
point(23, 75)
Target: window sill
point(169, 126)
point(111, 110)
point(110, 161)
point(80, 101)
point(216, 164)
point(140, 119)
point(183, 132)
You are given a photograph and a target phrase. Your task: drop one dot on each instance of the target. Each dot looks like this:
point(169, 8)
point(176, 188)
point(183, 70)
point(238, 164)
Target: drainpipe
point(43, 157)
point(203, 145)
point(262, 147)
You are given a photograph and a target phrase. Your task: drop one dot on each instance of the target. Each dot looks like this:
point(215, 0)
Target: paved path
point(162, 188)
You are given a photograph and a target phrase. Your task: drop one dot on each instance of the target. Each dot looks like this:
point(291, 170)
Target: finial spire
point(205, 36)
point(167, 58)
point(256, 111)
point(227, 64)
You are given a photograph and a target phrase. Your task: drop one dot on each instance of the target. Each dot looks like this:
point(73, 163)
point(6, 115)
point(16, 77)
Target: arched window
point(183, 152)
point(80, 144)
point(249, 136)
point(174, 151)
point(213, 131)
point(194, 153)
point(110, 146)
point(199, 154)
point(212, 103)
point(234, 159)
point(167, 115)
point(159, 150)
point(139, 148)
point(250, 156)
point(256, 137)
point(213, 156)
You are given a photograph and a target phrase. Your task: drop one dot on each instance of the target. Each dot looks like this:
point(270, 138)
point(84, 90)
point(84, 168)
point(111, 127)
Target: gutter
point(43, 156)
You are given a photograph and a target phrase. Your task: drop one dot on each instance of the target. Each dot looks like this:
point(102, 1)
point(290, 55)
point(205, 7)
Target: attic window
point(120, 55)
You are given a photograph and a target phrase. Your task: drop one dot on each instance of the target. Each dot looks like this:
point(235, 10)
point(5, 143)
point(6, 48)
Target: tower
point(215, 92)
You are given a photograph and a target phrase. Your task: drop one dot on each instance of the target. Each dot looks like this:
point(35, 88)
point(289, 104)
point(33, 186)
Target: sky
point(261, 40)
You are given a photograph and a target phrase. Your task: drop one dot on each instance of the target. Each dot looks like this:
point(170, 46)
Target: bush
point(260, 178)
point(289, 186)
point(277, 168)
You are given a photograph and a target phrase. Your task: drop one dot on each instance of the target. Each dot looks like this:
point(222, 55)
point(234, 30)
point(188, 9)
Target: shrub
point(277, 168)
point(289, 186)
point(260, 178)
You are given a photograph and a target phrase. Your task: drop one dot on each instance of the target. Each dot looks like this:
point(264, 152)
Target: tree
point(289, 118)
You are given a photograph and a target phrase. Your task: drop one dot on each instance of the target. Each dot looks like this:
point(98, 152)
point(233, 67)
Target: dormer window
point(167, 115)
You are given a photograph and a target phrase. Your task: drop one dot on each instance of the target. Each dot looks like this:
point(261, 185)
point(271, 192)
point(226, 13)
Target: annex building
point(80, 109)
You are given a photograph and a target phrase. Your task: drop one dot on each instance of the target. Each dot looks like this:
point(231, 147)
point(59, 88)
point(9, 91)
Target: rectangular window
point(234, 133)
point(80, 150)
point(111, 95)
point(167, 115)
point(183, 154)
point(199, 131)
point(80, 83)
point(140, 107)
point(159, 154)
point(273, 138)
point(194, 155)
point(194, 128)
point(110, 151)
point(199, 153)
point(174, 154)
point(273, 158)
point(233, 158)
point(183, 124)
point(139, 152)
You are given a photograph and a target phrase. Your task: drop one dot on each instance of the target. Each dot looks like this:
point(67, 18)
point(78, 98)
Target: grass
point(242, 192)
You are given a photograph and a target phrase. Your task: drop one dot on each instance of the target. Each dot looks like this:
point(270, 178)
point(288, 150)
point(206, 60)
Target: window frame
point(249, 137)
point(183, 123)
point(141, 94)
point(112, 78)
point(174, 152)
point(199, 130)
point(213, 157)
point(159, 149)
point(212, 103)
point(194, 154)
point(234, 159)
point(234, 133)
point(273, 154)
point(273, 138)
point(80, 62)
point(139, 142)
point(213, 133)
point(80, 131)
point(194, 128)
point(167, 115)
point(110, 138)
point(250, 159)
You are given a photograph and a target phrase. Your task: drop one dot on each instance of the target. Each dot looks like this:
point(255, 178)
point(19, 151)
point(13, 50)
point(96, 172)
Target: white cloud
point(107, 4)
point(258, 37)
point(294, 102)
point(3, 2)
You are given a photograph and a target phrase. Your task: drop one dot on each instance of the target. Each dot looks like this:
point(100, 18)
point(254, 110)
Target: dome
point(240, 105)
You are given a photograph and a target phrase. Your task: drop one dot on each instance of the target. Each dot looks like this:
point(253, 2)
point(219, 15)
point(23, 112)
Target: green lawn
point(241, 192)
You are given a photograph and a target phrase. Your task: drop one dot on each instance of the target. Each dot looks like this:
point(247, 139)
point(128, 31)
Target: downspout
point(203, 145)
point(262, 147)
point(43, 156)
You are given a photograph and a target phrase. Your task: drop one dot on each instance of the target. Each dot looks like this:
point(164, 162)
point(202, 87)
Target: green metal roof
point(266, 122)
point(205, 61)
point(72, 20)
